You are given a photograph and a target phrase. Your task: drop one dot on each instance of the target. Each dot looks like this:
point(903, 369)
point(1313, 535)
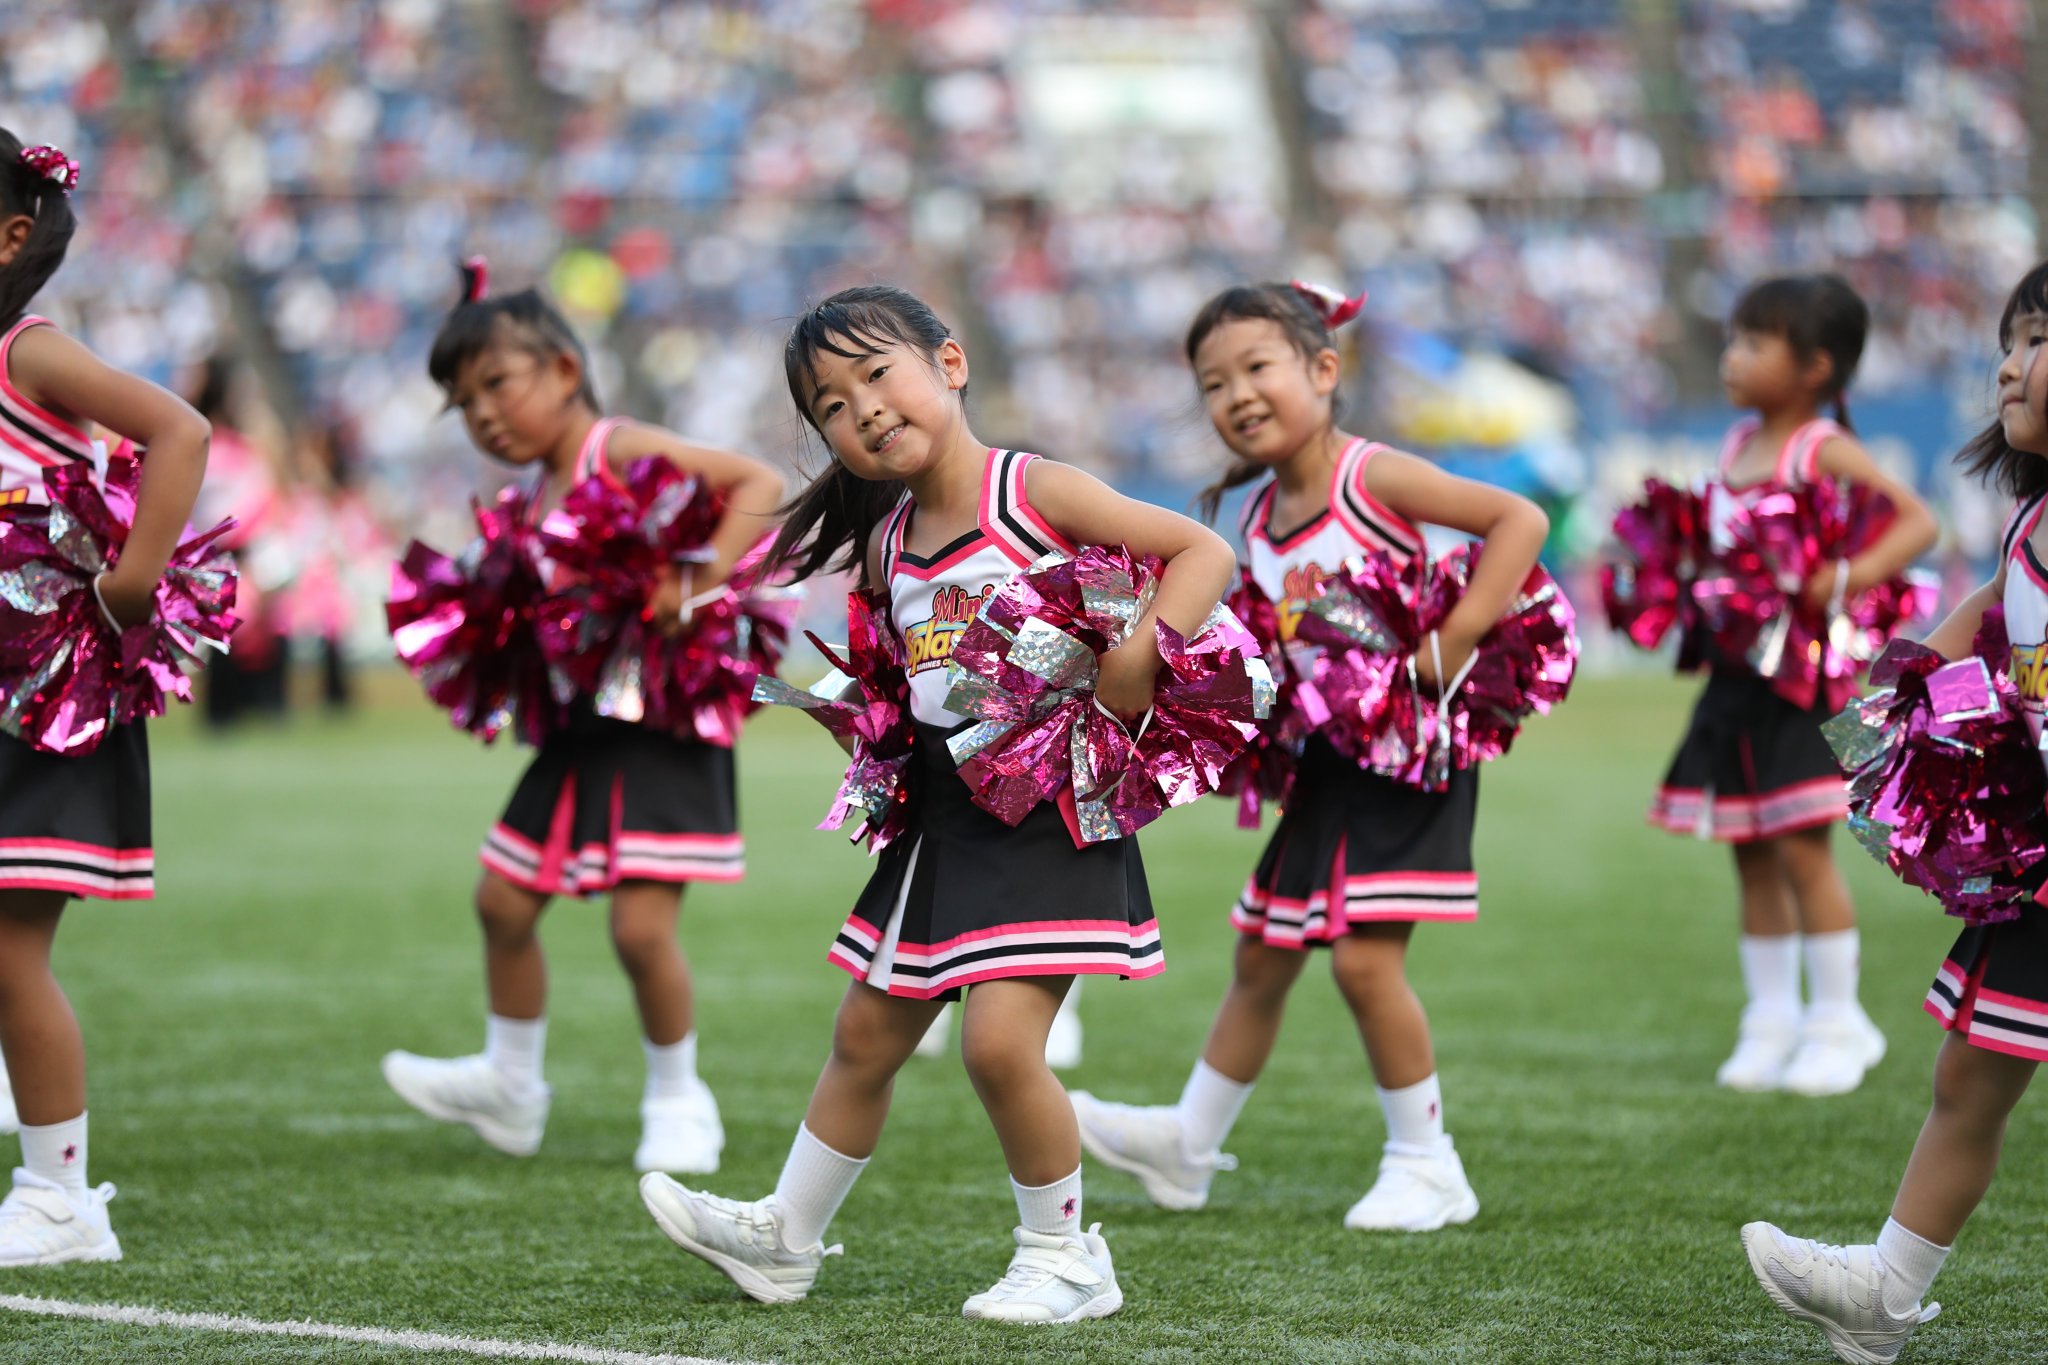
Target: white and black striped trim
point(1006, 513)
point(1370, 522)
point(77, 869)
point(2020, 525)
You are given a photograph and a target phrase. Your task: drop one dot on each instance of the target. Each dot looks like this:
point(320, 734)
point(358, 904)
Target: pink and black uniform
point(77, 824)
point(1752, 766)
point(963, 897)
point(1993, 989)
point(606, 801)
point(1353, 847)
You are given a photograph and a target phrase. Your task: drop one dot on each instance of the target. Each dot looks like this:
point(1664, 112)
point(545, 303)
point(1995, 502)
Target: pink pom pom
point(465, 626)
point(66, 674)
point(1372, 620)
point(609, 542)
point(1751, 599)
point(1946, 786)
point(1647, 585)
point(55, 167)
point(1265, 770)
point(866, 699)
point(1026, 669)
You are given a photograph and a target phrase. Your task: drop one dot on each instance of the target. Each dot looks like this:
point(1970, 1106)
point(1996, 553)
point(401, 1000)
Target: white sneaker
point(681, 1134)
point(10, 1121)
point(1052, 1279)
point(1838, 1289)
point(1145, 1141)
point(41, 1223)
point(1416, 1193)
point(469, 1090)
point(933, 1044)
point(1762, 1049)
point(1834, 1053)
point(1063, 1040)
point(743, 1241)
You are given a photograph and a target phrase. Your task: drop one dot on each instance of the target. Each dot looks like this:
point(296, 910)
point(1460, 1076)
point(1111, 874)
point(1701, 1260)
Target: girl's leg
point(1421, 1184)
point(1247, 1023)
point(872, 1038)
point(1002, 1042)
point(1868, 1299)
point(644, 918)
point(1975, 1091)
point(680, 1125)
point(1770, 970)
point(1838, 1043)
point(39, 1034)
point(501, 1094)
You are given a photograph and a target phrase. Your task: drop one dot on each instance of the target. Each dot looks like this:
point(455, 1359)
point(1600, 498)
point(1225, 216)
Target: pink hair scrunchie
point(55, 167)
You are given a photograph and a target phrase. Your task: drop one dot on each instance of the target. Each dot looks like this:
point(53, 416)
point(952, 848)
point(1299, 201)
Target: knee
point(1265, 975)
point(998, 1060)
point(640, 944)
point(861, 1044)
point(506, 913)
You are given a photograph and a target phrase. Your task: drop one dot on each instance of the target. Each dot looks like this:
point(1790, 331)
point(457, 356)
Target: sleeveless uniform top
point(32, 438)
point(1290, 566)
point(2026, 611)
point(932, 600)
point(589, 460)
point(1798, 463)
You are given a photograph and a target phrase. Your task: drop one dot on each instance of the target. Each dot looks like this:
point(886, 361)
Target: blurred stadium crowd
point(293, 182)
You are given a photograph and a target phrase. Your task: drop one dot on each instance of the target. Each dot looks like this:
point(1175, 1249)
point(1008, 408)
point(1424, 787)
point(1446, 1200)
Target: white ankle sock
point(1912, 1261)
point(671, 1068)
point(1770, 973)
point(815, 1182)
point(56, 1152)
point(1415, 1117)
point(1054, 1210)
point(1831, 967)
point(1209, 1105)
point(514, 1048)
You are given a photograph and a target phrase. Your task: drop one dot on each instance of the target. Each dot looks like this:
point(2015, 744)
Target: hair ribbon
point(476, 273)
point(1331, 305)
point(55, 167)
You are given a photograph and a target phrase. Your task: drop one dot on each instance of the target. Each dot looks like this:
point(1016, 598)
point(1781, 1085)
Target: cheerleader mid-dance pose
point(70, 825)
point(1992, 992)
point(606, 805)
point(937, 519)
point(1358, 859)
point(1753, 769)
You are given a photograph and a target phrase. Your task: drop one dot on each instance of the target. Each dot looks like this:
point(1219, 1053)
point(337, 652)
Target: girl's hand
point(1455, 646)
point(124, 598)
point(665, 604)
point(1126, 677)
point(1829, 582)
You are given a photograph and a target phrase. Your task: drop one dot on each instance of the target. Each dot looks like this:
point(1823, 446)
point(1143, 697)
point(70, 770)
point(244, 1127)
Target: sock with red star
point(1415, 1117)
point(56, 1153)
point(1054, 1210)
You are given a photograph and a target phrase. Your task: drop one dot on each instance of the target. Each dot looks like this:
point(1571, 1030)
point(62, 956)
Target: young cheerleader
point(1753, 769)
point(938, 519)
point(1992, 992)
point(69, 825)
point(1358, 859)
point(605, 805)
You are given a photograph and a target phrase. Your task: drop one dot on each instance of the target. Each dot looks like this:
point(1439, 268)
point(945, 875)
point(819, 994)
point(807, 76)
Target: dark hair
point(1817, 315)
point(2016, 473)
point(1283, 305)
point(828, 524)
point(523, 320)
point(24, 189)
point(216, 385)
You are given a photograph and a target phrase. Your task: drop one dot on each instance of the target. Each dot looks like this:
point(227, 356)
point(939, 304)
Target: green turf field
point(314, 912)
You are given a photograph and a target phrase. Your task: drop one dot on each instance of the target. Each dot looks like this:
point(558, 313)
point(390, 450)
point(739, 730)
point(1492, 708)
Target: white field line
point(372, 1336)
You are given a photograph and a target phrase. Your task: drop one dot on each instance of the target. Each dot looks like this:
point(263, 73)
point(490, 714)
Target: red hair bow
point(1329, 304)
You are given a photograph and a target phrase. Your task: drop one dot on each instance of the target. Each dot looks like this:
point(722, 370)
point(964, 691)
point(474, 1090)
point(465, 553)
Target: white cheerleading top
point(32, 438)
point(2026, 612)
point(932, 600)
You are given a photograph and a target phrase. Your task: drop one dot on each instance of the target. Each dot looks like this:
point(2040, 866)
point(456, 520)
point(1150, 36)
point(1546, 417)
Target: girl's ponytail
point(1210, 500)
point(827, 526)
point(35, 182)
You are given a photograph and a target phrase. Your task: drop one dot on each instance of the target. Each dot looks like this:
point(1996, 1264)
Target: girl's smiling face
point(2023, 385)
point(888, 411)
point(1266, 399)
